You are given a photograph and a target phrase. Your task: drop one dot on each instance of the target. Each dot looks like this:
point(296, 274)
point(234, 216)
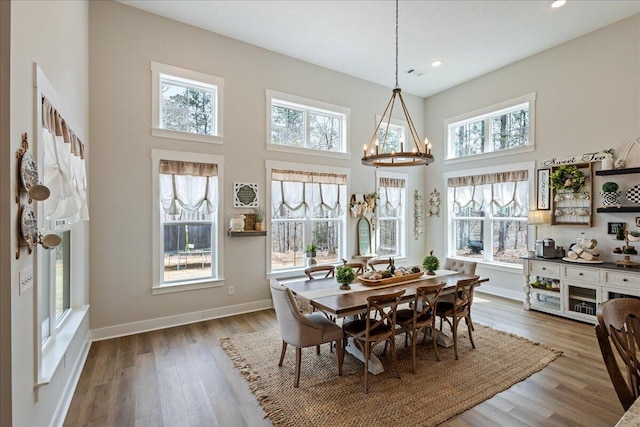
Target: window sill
point(515, 269)
point(490, 155)
point(307, 151)
point(187, 136)
point(54, 350)
point(191, 285)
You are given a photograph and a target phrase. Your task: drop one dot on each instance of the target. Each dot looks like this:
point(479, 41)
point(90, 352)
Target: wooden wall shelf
point(618, 171)
point(246, 233)
point(619, 210)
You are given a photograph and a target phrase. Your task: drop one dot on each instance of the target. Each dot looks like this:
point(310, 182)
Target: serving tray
point(583, 261)
point(390, 280)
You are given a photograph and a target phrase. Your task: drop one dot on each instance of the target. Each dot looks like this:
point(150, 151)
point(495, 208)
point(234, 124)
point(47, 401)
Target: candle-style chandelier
point(379, 153)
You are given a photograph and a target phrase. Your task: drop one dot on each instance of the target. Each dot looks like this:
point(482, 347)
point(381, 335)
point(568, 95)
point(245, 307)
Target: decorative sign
point(245, 195)
point(578, 158)
point(544, 192)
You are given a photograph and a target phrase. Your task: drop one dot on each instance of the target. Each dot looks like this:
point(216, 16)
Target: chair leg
point(318, 350)
point(367, 351)
point(470, 328)
point(470, 322)
point(434, 341)
point(298, 361)
point(414, 340)
point(284, 350)
point(339, 355)
point(394, 359)
point(454, 327)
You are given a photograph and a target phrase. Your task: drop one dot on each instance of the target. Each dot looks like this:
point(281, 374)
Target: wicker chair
point(317, 271)
point(421, 317)
point(619, 322)
point(302, 330)
point(378, 326)
point(459, 309)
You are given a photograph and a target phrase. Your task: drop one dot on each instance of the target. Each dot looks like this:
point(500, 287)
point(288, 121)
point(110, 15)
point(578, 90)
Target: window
point(488, 216)
point(396, 135)
point(307, 207)
point(299, 123)
point(391, 229)
point(57, 274)
point(186, 104)
point(187, 220)
point(496, 129)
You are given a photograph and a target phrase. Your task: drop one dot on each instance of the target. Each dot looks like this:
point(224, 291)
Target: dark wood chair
point(619, 322)
point(358, 267)
point(320, 271)
point(460, 308)
point(386, 262)
point(378, 326)
point(461, 266)
point(421, 317)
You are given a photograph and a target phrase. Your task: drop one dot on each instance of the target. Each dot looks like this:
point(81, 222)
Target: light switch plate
point(25, 279)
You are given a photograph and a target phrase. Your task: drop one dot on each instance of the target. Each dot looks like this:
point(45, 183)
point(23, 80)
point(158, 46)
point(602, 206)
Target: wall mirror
point(364, 236)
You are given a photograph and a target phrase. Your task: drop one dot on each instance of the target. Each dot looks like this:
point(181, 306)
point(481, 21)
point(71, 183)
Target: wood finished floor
point(181, 377)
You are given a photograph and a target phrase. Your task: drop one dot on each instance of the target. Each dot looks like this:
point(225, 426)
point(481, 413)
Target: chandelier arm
point(412, 128)
point(375, 132)
point(384, 142)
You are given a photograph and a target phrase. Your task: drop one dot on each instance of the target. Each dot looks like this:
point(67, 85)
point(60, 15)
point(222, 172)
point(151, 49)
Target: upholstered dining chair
point(381, 263)
point(421, 317)
point(619, 322)
point(320, 271)
point(461, 266)
point(378, 326)
point(302, 330)
point(459, 309)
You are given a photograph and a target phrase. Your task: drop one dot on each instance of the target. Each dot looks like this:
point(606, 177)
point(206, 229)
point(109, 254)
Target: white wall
point(55, 35)
point(588, 99)
point(121, 150)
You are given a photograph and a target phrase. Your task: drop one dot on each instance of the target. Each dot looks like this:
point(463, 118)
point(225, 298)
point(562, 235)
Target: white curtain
point(307, 194)
point(188, 190)
point(493, 191)
point(391, 196)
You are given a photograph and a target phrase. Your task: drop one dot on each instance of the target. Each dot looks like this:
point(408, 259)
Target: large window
point(488, 216)
point(395, 131)
point(186, 104)
point(498, 128)
point(391, 228)
point(307, 207)
point(57, 274)
point(299, 123)
point(187, 206)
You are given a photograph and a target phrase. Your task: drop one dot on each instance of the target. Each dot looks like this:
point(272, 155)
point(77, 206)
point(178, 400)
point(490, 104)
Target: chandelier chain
point(397, 85)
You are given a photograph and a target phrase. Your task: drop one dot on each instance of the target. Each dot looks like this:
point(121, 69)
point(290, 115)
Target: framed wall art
point(543, 193)
point(613, 227)
point(245, 195)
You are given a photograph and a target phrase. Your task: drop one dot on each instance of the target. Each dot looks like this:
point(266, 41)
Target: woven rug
point(436, 393)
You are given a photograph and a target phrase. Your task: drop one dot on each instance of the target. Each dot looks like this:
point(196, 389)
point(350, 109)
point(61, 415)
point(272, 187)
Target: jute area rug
point(436, 393)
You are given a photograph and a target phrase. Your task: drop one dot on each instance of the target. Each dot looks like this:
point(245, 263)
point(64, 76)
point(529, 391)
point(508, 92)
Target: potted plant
point(345, 276)
point(431, 263)
point(610, 195)
point(259, 213)
point(310, 251)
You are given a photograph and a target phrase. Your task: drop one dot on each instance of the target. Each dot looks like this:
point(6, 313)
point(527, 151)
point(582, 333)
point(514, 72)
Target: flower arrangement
point(567, 177)
point(345, 276)
point(259, 213)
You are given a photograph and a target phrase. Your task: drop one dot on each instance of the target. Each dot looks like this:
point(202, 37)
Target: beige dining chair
point(378, 326)
point(302, 330)
point(461, 266)
point(459, 309)
point(320, 271)
point(421, 317)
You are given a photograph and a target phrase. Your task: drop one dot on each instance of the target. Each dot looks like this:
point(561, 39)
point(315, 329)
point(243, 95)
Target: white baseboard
point(517, 295)
point(67, 395)
point(177, 320)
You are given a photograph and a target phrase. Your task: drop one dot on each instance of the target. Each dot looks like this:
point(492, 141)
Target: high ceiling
point(357, 37)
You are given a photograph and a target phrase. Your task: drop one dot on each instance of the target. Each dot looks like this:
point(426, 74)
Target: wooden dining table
point(325, 295)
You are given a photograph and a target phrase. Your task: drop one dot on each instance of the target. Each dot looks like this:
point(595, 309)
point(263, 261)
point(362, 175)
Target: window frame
point(192, 79)
point(159, 287)
point(486, 114)
point(397, 123)
point(403, 221)
point(486, 261)
point(345, 247)
point(307, 105)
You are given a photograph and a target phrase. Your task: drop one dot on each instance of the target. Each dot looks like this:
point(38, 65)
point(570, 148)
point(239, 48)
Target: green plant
point(620, 233)
point(635, 233)
point(431, 262)
point(345, 275)
point(609, 187)
point(310, 248)
point(259, 213)
point(567, 177)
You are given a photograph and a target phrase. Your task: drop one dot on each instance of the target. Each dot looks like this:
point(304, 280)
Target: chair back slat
point(381, 310)
point(463, 294)
point(426, 300)
point(320, 271)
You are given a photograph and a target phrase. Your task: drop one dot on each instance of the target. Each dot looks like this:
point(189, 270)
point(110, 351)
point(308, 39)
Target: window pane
point(287, 244)
point(469, 139)
point(287, 126)
point(510, 130)
point(187, 251)
point(62, 255)
point(509, 241)
point(187, 109)
point(394, 136)
point(326, 236)
point(388, 237)
point(468, 238)
point(324, 132)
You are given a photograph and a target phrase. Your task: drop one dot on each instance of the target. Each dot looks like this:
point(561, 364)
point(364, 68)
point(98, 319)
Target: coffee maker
point(546, 248)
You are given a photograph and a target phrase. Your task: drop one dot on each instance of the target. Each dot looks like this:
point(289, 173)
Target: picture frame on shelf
point(543, 191)
point(613, 227)
point(638, 221)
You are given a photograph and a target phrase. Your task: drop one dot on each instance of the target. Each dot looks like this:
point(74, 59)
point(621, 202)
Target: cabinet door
point(613, 292)
point(581, 301)
point(569, 207)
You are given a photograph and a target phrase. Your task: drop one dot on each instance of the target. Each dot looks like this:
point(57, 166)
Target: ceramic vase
point(610, 199)
point(237, 222)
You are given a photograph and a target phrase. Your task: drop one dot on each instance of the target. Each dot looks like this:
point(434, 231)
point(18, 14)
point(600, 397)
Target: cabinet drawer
point(582, 274)
point(620, 278)
point(545, 269)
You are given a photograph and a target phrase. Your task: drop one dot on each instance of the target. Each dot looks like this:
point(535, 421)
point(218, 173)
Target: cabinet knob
point(580, 274)
point(624, 280)
point(544, 268)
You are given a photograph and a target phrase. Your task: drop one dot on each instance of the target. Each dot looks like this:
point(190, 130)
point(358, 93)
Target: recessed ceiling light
point(436, 63)
point(558, 3)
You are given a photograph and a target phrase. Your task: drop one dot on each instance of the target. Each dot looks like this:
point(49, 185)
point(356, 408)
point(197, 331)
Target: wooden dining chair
point(386, 262)
point(302, 330)
point(459, 309)
point(358, 267)
point(421, 317)
point(378, 326)
point(320, 271)
point(619, 322)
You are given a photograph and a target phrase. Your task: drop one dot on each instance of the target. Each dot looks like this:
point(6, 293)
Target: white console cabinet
point(579, 288)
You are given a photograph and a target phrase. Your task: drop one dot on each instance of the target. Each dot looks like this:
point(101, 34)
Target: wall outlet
point(25, 280)
point(231, 290)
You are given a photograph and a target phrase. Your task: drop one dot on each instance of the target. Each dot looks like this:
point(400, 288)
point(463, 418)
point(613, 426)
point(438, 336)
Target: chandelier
point(380, 153)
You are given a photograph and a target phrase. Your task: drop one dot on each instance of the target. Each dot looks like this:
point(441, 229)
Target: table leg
point(375, 366)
